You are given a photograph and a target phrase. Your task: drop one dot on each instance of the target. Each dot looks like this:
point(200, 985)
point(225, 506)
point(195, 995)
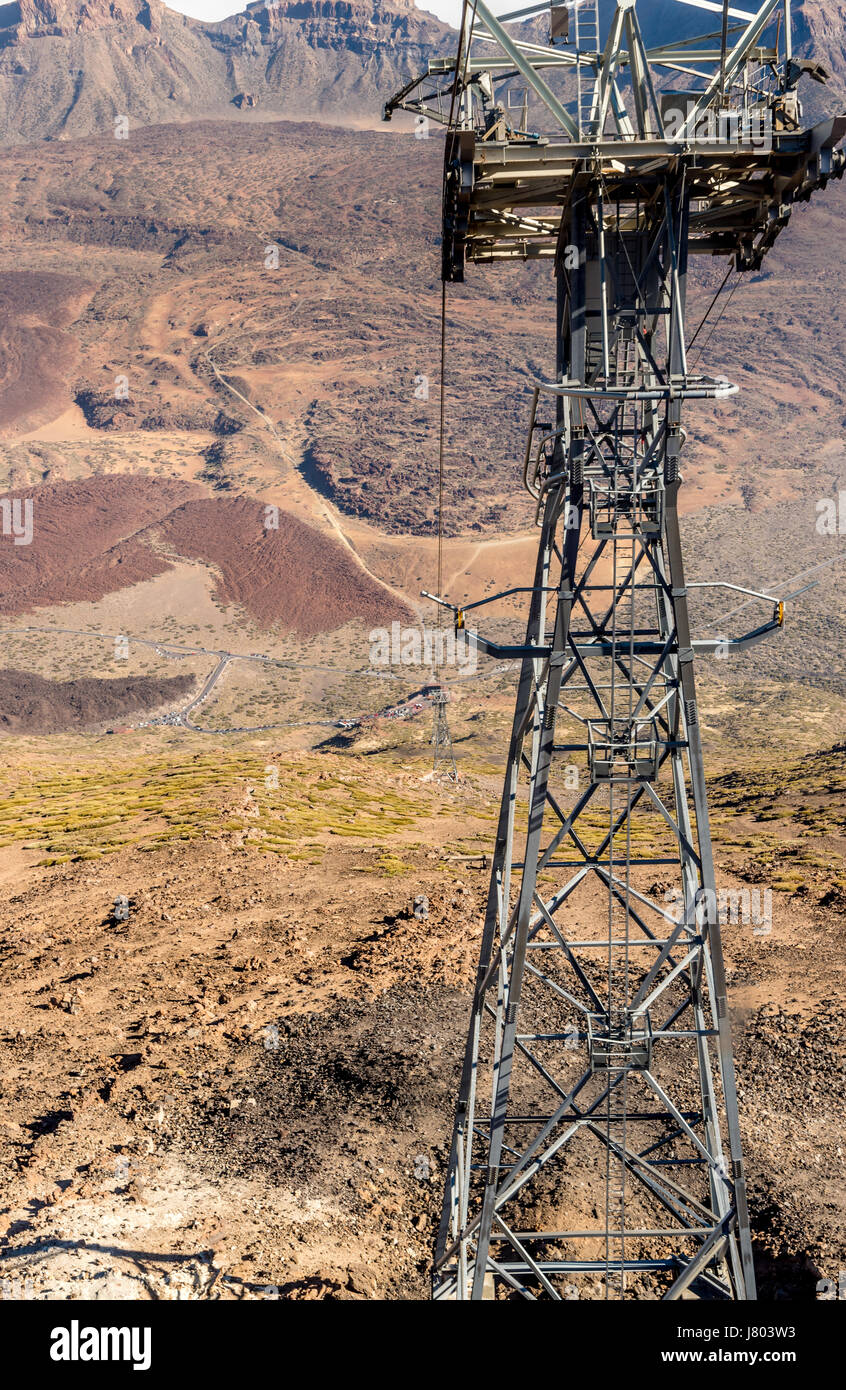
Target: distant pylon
point(444, 758)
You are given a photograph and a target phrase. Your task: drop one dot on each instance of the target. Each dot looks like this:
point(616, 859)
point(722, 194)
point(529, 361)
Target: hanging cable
point(441, 434)
point(719, 318)
point(707, 313)
point(463, 30)
point(463, 53)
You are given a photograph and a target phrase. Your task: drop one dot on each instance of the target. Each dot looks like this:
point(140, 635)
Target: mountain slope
point(74, 67)
point(71, 69)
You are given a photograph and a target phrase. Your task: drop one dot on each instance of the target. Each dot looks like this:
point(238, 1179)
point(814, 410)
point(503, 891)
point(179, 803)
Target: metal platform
point(736, 131)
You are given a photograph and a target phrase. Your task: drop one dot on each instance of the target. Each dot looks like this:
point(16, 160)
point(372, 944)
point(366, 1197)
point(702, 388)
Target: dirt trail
point(294, 482)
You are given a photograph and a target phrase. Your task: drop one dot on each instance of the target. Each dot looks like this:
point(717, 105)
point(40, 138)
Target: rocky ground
point(196, 308)
point(237, 1081)
point(230, 1049)
point(32, 705)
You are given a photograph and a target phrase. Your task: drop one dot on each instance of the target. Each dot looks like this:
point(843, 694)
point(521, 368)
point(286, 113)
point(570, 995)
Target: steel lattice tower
point(443, 761)
point(596, 1138)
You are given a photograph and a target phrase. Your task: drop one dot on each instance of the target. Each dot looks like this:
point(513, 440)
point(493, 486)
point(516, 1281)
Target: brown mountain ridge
point(76, 67)
point(69, 68)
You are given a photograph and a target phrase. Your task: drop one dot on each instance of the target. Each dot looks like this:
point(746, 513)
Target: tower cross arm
point(734, 61)
point(525, 68)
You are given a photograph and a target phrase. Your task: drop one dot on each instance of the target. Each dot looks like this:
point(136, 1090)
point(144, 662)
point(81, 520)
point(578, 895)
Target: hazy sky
point(219, 9)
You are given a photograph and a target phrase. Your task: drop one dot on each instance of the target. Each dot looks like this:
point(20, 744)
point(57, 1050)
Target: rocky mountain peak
point(63, 18)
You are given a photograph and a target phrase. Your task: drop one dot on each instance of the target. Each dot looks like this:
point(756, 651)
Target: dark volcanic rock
point(29, 704)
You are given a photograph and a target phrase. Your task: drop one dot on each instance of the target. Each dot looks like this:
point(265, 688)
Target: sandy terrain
point(94, 537)
point(259, 1058)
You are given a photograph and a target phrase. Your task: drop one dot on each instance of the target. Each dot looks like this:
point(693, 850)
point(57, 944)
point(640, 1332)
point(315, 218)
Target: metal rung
point(695, 1232)
point(640, 1116)
point(579, 945)
point(619, 863)
point(586, 1266)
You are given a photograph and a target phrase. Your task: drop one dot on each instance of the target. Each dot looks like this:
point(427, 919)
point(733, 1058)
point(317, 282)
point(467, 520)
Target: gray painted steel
point(596, 1146)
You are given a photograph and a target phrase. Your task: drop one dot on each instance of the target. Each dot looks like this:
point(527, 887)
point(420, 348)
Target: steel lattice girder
point(743, 201)
point(507, 199)
point(581, 958)
point(505, 189)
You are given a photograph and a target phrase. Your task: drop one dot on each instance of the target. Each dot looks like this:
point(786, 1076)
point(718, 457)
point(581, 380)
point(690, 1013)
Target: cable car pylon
point(443, 758)
point(596, 1148)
